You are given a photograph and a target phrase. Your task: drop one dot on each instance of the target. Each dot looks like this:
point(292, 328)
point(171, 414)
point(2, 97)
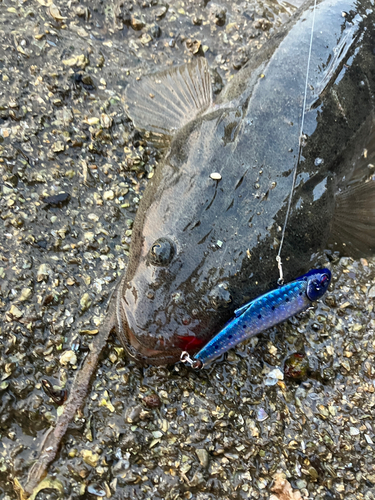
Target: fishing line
point(280, 281)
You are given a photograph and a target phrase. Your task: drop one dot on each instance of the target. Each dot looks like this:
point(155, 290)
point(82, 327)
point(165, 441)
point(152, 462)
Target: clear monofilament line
point(278, 258)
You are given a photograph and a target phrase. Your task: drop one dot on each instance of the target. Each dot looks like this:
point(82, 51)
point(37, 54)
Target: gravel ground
point(298, 400)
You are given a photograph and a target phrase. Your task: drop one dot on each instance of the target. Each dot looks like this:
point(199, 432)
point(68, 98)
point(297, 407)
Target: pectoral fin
point(164, 102)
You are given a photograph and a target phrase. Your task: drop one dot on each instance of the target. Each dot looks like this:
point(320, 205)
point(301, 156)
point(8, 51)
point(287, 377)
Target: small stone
point(79, 61)
point(133, 413)
point(89, 332)
point(301, 483)
point(218, 15)
point(108, 195)
point(262, 24)
point(26, 293)
point(105, 121)
point(136, 23)
point(93, 120)
point(354, 431)
point(15, 312)
point(57, 200)
point(85, 301)
point(313, 473)
point(4, 385)
point(296, 366)
point(371, 292)
point(155, 31)
point(160, 12)
point(145, 39)
point(340, 487)
point(105, 401)
point(89, 236)
point(43, 272)
point(203, 457)
point(215, 176)
point(81, 11)
point(90, 458)
point(58, 147)
point(368, 439)
point(152, 401)
point(157, 434)
point(262, 483)
point(193, 45)
point(68, 357)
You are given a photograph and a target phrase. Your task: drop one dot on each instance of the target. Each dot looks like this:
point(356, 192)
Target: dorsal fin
point(239, 312)
point(163, 102)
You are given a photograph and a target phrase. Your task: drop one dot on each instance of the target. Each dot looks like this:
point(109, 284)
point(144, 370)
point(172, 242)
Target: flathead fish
point(209, 224)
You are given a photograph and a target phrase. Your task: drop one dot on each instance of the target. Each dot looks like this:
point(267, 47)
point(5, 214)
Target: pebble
point(26, 293)
point(68, 357)
point(354, 431)
point(215, 176)
point(15, 312)
point(90, 458)
point(203, 457)
point(43, 272)
point(136, 23)
point(105, 121)
point(152, 401)
point(85, 302)
point(108, 195)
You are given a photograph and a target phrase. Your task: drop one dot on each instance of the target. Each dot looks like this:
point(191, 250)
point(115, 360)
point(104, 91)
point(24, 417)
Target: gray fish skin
point(224, 234)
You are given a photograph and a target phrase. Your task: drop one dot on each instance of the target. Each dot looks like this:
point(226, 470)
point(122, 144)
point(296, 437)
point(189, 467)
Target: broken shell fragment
point(55, 13)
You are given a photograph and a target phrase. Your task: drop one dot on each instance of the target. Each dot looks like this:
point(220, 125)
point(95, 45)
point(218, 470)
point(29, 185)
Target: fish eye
point(162, 252)
point(317, 286)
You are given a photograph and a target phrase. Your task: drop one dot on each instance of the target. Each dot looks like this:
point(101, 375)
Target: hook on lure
point(262, 313)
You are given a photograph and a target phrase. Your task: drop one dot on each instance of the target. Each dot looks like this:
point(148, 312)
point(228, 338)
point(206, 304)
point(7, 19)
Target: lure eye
point(318, 285)
point(162, 252)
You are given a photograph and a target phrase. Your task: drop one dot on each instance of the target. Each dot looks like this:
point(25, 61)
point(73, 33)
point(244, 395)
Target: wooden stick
point(76, 399)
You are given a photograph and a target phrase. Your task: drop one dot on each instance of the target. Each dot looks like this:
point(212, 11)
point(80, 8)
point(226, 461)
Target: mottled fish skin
point(266, 311)
point(201, 248)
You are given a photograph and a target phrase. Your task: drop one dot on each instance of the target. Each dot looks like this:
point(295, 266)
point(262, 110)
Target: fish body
point(203, 245)
point(266, 311)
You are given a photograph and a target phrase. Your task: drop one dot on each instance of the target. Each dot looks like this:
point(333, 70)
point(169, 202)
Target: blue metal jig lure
point(262, 313)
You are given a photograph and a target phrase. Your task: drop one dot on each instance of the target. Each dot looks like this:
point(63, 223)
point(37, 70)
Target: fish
point(264, 312)
point(208, 228)
point(209, 224)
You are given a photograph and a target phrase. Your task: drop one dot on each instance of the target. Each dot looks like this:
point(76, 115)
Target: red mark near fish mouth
point(189, 343)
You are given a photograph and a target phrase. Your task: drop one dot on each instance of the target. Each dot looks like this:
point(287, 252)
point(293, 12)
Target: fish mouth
point(137, 350)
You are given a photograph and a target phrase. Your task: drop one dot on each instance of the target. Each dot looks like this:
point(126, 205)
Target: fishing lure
point(263, 312)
